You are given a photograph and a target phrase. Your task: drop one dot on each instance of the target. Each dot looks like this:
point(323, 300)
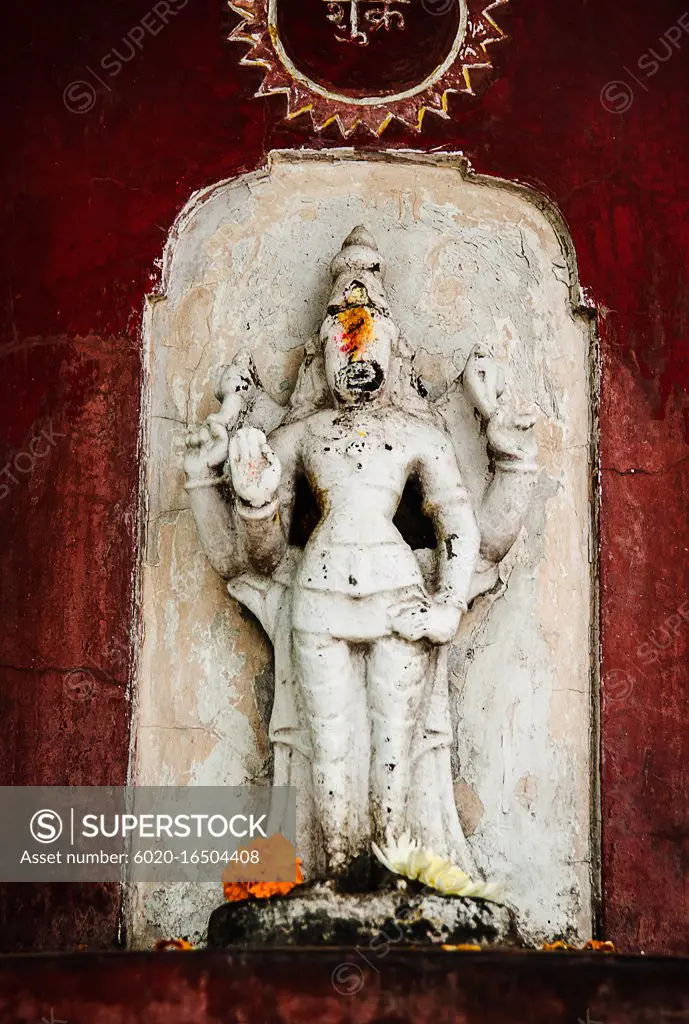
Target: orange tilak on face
point(357, 330)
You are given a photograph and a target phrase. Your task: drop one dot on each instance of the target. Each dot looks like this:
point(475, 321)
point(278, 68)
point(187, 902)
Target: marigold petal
point(235, 892)
point(167, 945)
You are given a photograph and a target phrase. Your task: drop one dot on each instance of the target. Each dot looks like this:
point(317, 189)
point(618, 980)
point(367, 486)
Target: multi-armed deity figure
point(359, 621)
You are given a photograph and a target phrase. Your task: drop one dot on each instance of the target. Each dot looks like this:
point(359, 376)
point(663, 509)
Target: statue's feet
point(360, 873)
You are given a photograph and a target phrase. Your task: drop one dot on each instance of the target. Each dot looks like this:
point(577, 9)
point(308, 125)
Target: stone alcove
point(469, 259)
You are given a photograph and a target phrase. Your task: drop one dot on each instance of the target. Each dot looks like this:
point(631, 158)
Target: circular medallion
point(368, 61)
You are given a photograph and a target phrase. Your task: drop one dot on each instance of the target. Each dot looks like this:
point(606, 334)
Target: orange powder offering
point(357, 324)
point(275, 873)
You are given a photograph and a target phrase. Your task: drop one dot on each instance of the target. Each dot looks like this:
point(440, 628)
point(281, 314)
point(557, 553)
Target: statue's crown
point(359, 252)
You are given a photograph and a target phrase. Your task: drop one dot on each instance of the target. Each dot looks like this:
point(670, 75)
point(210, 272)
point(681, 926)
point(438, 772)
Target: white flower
point(405, 856)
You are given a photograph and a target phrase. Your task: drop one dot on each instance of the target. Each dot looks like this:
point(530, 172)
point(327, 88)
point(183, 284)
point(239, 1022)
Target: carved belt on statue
point(358, 620)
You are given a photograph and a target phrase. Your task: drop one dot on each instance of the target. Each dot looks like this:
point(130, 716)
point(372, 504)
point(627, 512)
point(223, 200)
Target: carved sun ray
point(473, 62)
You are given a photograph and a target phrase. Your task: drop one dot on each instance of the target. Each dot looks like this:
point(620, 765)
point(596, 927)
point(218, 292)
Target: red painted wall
point(88, 199)
point(336, 987)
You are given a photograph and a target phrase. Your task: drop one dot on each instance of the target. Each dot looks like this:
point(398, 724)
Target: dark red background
point(268, 987)
point(88, 200)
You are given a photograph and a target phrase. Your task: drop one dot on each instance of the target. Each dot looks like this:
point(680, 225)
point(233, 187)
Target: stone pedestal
point(401, 917)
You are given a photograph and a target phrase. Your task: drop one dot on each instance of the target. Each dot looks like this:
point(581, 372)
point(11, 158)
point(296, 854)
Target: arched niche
point(469, 259)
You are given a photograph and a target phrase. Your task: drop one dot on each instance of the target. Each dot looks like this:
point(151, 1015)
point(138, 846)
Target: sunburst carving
point(472, 62)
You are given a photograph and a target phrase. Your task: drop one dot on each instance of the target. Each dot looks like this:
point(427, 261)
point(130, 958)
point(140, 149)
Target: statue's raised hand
point(510, 436)
point(254, 467)
point(484, 381)
point(207, 448)
point(509, 433)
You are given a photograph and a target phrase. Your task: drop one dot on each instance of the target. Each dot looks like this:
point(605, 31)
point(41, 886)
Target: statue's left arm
point(512, 451)
point(448, 503)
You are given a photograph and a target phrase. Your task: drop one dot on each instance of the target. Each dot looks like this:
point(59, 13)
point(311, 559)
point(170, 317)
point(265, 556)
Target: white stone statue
point(359, 621)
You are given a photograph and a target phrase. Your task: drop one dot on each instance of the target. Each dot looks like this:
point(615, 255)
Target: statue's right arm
point(210, 496)
point(211, 501)
point(264, 475)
